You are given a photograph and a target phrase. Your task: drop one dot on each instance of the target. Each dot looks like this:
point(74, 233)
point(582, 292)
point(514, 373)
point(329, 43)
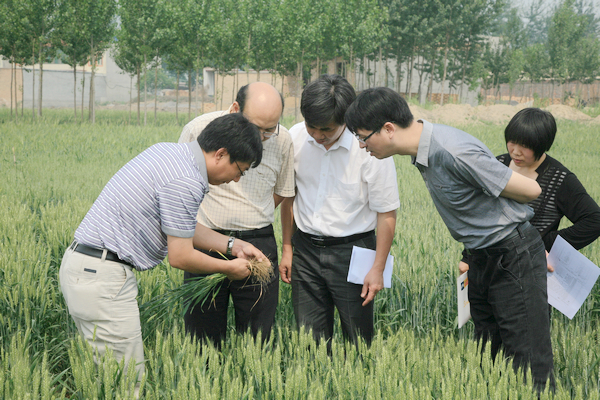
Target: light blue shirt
point(465, 180)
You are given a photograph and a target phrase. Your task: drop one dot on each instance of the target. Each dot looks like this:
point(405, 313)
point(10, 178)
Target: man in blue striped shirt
point(146, 211)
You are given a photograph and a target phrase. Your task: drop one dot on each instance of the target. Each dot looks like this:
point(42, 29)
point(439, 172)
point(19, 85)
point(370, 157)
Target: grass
point(53, 169)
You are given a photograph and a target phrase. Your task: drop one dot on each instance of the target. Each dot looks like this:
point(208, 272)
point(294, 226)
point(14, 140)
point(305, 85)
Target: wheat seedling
point(198, 290)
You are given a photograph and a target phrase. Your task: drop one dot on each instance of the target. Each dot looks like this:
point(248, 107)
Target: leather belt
point(97, 253)
point(325, 241)
point(504, 245)
point(250, 234)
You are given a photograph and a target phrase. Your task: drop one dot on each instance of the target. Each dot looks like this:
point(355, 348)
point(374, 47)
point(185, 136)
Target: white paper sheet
point(361, 262)
point(573, 278)
point(462, 291)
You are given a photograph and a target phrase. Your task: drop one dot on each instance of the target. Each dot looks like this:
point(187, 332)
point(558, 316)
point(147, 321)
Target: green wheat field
point(53, 169)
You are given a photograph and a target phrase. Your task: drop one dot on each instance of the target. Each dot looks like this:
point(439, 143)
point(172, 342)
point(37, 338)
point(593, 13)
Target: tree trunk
point(12, 74)
point(177, 99)
point(408, 73)
point(197, 89)
point(222, 91)
point(430, 86)
point(155, 89)
point(443, 88)
point(23, 91)
point(386, 72)
point(75, 90)
point(139, 84)
point(33, 80)
point(130, 96)
point(189, 95)
point(82, 92)
point(41, 82)
point(380, 80)
point(420, 91)
point(92, 111)
point(145, 68)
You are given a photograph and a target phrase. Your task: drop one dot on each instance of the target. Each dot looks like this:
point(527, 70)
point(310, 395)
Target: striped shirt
point(247, 204)
point(156, 194)
point(562, 195)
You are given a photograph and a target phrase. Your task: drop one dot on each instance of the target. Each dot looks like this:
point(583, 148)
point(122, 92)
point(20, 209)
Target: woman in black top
point(528, 135)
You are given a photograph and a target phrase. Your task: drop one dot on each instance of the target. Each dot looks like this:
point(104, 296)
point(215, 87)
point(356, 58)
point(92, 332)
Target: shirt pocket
point(347, 197)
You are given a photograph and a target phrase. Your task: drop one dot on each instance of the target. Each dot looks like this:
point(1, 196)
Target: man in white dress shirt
point(342, 196)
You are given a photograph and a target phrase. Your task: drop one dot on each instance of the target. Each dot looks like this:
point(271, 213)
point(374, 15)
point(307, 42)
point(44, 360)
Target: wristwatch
point(229, 246)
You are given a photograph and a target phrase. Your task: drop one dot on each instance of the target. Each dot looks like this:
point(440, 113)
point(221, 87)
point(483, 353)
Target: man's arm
point(287, 228)
point(386, 226)
point(182, 255)
point(277, 199)
point(521, 188)
point(207, 239)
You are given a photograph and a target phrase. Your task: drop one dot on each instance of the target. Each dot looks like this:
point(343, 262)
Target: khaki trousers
point(101, 297)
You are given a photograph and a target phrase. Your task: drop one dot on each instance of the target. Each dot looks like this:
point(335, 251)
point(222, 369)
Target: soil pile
point(560, 111)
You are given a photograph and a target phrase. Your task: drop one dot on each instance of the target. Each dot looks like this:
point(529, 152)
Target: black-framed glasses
point(269, 135)
point(242, 173)
point(364, 141)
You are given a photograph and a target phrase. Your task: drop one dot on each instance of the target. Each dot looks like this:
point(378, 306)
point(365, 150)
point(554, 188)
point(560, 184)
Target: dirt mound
point(419, 112)
point(498, 114)
point(560, 111)
point(454, 114)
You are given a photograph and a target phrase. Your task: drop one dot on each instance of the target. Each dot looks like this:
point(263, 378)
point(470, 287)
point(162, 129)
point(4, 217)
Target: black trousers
point(509, 301)
point(254, 305)
point(319, 283)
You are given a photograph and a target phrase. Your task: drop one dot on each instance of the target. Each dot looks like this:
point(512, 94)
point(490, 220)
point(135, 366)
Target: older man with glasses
point(245, 210)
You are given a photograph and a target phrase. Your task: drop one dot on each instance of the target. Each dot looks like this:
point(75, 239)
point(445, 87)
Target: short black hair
point(532, 128)
point(376, 106)
point(237, 135)
point(242, 94)
point(326, 99)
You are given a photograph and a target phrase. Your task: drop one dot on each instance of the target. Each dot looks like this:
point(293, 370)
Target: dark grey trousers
point(254, 306)
point(319, 283)
point(509, 301)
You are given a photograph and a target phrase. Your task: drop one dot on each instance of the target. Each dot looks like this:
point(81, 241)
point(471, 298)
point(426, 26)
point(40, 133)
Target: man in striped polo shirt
point(245, 210)
point(146, 212)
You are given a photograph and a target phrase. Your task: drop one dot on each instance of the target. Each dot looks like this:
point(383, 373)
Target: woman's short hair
point(532, 128)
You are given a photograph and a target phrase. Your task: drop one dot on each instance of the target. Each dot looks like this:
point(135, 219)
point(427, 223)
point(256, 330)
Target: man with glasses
point(245, 210)
point(342, 196)
point(482, 202)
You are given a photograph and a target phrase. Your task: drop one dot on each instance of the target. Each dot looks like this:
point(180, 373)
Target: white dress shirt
point(340, 190)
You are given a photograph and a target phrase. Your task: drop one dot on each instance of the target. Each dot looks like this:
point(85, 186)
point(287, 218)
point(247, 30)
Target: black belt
point(324, 241)
point(267, 231)
point(502, 246)
point(97, 253)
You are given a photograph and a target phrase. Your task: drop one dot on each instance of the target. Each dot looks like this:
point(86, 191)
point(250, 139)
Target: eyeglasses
point(364, 141)
point(242, 173)
point(269, 135)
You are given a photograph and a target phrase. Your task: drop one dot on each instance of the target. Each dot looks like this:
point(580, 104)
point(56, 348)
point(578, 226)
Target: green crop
point(52, 170)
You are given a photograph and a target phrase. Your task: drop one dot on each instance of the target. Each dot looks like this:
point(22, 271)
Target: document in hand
point(573, 278)
point(361, 262)
point(464, 308)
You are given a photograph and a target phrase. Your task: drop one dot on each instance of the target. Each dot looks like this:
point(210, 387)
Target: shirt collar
point(344, 141)
point(200, 160)
point(424, 144)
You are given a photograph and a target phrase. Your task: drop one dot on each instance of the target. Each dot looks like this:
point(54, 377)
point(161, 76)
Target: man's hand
point(550, 267)
point(463, 267)
point(246, 251)
point(372, 285)
point(238, 269)
point(285, 265)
